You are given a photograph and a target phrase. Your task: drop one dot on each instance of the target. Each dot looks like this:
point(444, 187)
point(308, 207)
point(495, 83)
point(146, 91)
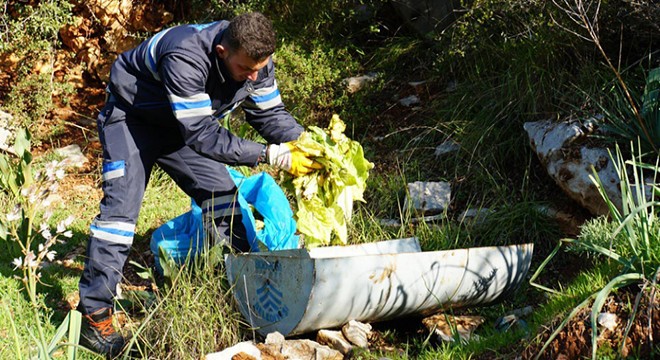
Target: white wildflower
point(33, 196)
point(67, 234)
point(31, 260)
point(69, 220)
point(15, 214)
point(45, 231)
point(61, 227)
point(46, 202)
point(18, 262)
point(60, 174)
point(50, 255)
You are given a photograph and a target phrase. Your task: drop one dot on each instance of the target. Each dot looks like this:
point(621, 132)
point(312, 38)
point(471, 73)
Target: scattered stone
point(271, 351)
point(390, 222)
point(463, 326)
point(246, 348)
point(334, 339)
point(73, 156)
point(568, 223)
point(475, 215)
point(308, 349)
point(428, 196)
point(446, 147)
point(353, 84)
point(507, 321)
point(325, 353)
point(357, 333)
point(274, 338)
point(417, 84)
point(415, 220)
point(607, 320)
point(409, 101)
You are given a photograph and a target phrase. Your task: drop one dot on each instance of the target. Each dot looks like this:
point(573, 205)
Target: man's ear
point(221, 51)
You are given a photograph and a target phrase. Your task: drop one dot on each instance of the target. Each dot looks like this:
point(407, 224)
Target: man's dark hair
point(253, 33)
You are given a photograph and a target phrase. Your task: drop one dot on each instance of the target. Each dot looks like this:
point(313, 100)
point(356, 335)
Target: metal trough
point(298, 291)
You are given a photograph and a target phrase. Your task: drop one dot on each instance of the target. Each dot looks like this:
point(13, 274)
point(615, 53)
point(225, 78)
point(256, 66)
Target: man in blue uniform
point(165, 98)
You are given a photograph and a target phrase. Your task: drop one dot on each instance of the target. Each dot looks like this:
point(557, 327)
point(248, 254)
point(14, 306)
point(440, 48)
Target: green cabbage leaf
point(324, 197)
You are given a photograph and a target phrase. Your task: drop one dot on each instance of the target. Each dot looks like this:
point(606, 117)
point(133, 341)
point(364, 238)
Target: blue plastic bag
point(183, 235)
point(265, 195)
point(179, 237)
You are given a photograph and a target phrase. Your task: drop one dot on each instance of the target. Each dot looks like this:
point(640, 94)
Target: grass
point(197, 294)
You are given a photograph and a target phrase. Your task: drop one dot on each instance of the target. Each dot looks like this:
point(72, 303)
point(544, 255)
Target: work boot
point(98, 334)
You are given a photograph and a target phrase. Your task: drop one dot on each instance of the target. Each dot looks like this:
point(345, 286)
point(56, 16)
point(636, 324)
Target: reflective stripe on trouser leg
point(107, 250)
point(223, 222)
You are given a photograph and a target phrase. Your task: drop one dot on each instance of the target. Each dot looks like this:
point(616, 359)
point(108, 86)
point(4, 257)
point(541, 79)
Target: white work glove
point(290, 157)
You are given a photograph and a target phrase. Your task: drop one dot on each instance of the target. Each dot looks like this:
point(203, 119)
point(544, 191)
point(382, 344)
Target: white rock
point(409, 101)
point(446, 147)
point(572, 168)
point(353, 84)
point(429, 196)
point(334, 339)
point(72, 154)
point(246, 347)
point(476, 215)
point(357, 333)
point(607, 320)
point(274, 338)
point(308, 349)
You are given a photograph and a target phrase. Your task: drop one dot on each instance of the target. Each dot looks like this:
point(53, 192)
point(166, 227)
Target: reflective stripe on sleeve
point(113, 231)
point(150, 56)
point(267, 97)
point(191, 106)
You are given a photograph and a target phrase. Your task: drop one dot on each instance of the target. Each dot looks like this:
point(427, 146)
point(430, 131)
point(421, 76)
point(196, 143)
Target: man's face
point(241, 67)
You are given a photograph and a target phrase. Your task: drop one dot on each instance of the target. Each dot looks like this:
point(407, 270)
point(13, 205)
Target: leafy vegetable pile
point(324, 196)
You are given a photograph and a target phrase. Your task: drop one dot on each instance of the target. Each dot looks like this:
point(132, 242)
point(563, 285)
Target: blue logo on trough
point(269, 303)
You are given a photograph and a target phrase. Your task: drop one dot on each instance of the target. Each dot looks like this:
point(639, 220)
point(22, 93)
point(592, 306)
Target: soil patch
point(574, 341)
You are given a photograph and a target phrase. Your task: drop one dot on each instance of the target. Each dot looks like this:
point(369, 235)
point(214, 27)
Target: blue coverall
point(165, 98)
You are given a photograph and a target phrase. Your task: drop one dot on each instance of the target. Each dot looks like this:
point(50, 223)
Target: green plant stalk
point(563, 324)
point(633, 314)
point(544, 264)
point(617, 282)
point(30, 283)
point(14, 331)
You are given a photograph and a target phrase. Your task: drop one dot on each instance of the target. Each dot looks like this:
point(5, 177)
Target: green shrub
point(310, 81)
point(28, 39)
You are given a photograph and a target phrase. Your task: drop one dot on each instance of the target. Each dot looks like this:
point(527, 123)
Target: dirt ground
point(634, 339)
point(97, 42)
